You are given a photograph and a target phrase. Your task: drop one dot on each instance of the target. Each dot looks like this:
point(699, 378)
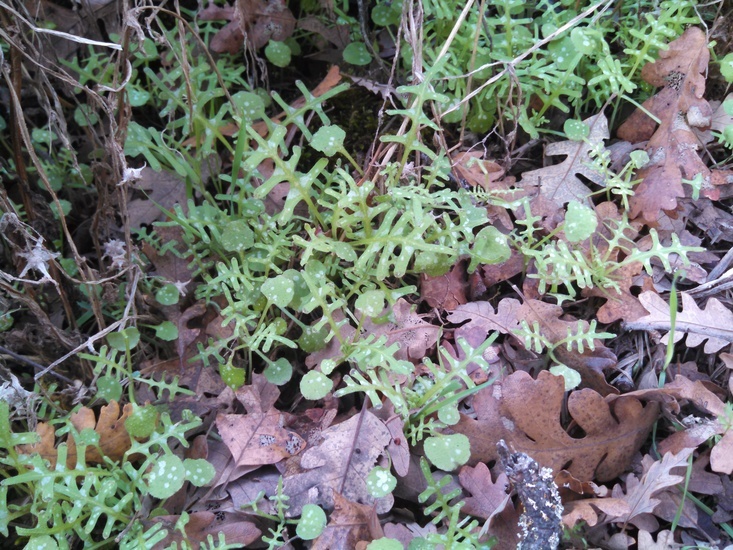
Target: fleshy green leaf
point(580, 222)
point(237, 236)
point(278, 290)
point(576, 130)
point(371, 303)
point(315, 385)
point(130, 337)
point(141, 423)
point(109, 388)
point(329, 140)
point(279, 372)
point(199, 471)
point(380, 482)
point(166, 477)
point(167, 330)
point(168, 295)
point(278, 53)
point(356, 53)
point(448, 452)
point(312, 522)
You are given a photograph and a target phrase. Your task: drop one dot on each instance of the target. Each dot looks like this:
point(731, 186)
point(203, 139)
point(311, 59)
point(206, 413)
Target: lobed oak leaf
point(446, 291)
point(256, 21)
point(526, 414)
point(114, 440)
point(673, 146)
point(714, 323)
point(414, 335)
point(585, 510)
point(482, 319)
point(489, 497)
point(258, 437)
point(639, 493)
point(556, 185)
point(349, 523)
point(339, 464)
point(202, 525)
point(45, 446)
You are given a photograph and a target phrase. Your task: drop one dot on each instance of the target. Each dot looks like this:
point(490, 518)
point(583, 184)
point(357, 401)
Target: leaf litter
point(595, 438)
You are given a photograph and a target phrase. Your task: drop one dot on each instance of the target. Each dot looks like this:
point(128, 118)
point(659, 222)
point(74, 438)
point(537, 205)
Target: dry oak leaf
point(114, 440)
point(446, 291)
point(489, 497)
point(45, 446)
point(587, 510)
point(526, 414)
point(714, 323)
point(721, 456)
point(621, 304)
point(201, 525)
point(349, 524)
point(679, 106)
point(639, 493)
point(258, 437)
point(257, 21)
point(339, 464)
point(559, 184)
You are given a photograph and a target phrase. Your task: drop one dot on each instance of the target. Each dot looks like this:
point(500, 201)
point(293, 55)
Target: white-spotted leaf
point(356, 53)
point(371, 303)
point(237, 236)
point(279, 290)
point(489, 247)
point(315, 385)
point(576, 130)
point(329, 140)
point(166, 477)
point(167, 330)
point(387, 544)
point(580, 222)
point(448, 452)
point(250, 105)
point(312, 522)
point(448, 414)
point(109, 388)
point(199, 472)
point(168, 295)
point(279, 372)
point(278, 53)
point(380, 482)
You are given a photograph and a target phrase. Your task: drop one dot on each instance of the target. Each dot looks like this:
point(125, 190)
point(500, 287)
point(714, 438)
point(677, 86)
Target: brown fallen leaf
point(445, 291)
point(258, 437)
point(253, 21)
point(673, 146)
point(713, 325)
point(489, 497)
point(556, 185)
point(338, 465)
point(526, 414)
point(640, 493)
point(201, 525)
point(348, 524)
point(114, 441)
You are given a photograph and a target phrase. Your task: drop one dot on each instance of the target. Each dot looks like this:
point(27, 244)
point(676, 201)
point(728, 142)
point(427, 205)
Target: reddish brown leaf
point(489, 497)
point(349, 523)
point(445, 291)
point(526, 414)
